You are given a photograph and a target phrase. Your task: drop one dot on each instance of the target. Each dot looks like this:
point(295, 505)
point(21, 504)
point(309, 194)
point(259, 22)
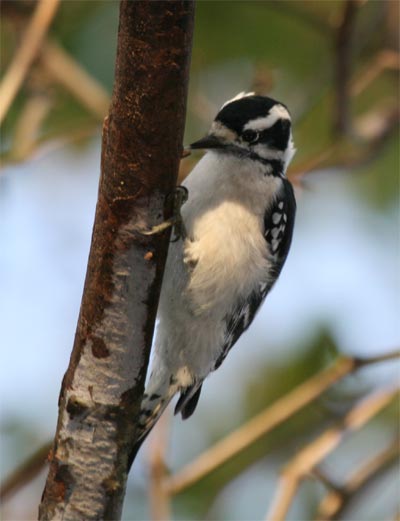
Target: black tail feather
point(186, 405)
point(188, 400)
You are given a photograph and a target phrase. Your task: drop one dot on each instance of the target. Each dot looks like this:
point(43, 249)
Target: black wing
point(278, 231)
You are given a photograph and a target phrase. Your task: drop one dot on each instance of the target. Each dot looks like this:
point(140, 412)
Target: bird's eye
point(250, 136)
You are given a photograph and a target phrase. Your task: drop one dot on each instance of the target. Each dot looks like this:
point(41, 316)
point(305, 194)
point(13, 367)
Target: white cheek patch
point(267, 153)
point(277, 112)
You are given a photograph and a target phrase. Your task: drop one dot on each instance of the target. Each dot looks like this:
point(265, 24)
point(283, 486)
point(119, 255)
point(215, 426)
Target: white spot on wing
point(275, 232)
point(275, 244)
point(276, 217)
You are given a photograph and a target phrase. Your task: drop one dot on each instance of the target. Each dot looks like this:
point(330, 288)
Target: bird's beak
point(209, 141)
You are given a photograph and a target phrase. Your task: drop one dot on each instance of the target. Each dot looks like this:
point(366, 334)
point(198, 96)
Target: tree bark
point(142, 143)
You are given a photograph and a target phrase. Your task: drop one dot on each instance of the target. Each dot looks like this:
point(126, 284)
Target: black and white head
point(256, 127)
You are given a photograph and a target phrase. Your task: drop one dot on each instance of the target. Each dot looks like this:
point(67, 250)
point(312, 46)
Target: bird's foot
point(179, 197)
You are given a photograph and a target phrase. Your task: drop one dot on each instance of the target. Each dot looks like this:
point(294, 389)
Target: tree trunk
point(103, 386)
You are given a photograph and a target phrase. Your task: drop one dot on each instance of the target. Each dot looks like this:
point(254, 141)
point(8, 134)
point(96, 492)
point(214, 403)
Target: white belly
point(227, 258)
point(223, 260)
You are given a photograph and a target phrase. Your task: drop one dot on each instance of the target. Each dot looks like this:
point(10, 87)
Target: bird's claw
point(179, 197)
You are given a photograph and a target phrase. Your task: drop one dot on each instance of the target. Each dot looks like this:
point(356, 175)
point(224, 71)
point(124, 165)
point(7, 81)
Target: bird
point(238, 222)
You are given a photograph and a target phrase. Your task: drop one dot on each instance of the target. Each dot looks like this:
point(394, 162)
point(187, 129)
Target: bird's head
point(251, 126)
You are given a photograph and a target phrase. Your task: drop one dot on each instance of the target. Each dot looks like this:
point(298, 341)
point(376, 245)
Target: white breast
point(224, 219)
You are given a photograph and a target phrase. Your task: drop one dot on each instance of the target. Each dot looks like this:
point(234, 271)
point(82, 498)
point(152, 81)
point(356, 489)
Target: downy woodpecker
point(239, 223)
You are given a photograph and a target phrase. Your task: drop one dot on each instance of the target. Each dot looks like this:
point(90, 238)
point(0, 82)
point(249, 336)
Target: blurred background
point(335, 64)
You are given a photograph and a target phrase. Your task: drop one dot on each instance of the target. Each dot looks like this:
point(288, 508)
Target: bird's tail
point(159, 391)
point(153, 405)
point(157, 397)
point(155, 401)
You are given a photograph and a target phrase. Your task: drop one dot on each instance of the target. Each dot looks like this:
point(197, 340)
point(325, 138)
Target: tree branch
point(103, 386)
point(29, 48)
point(159, 499)
point(382, 61)
point(312, 454)
point(267, 420)
point(27, 471)
point(28, 125)
point(344, 37)
point(69, 73)
point(337, 501)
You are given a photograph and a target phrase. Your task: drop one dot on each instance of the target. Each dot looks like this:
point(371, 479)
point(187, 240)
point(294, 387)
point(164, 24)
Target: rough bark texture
point(103, 386)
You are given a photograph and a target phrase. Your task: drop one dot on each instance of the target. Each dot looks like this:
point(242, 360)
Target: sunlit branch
point(25, 473)
point(384, 60)
point(313, 453)
point(339, 499)
point(28, 125)
point(159, 499)
point(69, 73)
point(27, 52)
point(267, 420)
point(332, 156)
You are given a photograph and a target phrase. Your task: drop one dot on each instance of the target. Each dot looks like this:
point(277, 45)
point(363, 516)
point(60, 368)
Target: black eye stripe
point(281, 125)
point(277, 135)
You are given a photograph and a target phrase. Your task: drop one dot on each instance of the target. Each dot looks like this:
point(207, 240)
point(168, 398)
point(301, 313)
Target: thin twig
point(313, 453)
point(319, 475)
point(343, 66)
point(374, 128)
point(250, 432)
point(371, 360)
point(264, 422)
point(287, 489)
point(159, 499)
point(28, 470)
point(384, 60)
point(53, 142)
point(69, 73)
point(27, 128)
point(28, 50)
point(336, 501)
